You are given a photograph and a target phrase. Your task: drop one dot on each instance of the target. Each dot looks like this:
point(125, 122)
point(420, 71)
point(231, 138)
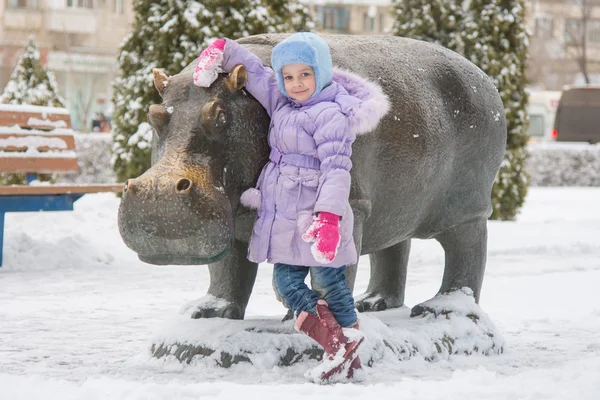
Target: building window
point(368, 23)
point(85, 3)
point(22, 3)
point(329, 18)
point(382, 22)
point(334, 18)
point(118, 6)
point(573, 31)
point(593, 31)
point(544, 27)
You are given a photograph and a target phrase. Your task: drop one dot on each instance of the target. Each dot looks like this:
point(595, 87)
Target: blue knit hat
point(304, 48)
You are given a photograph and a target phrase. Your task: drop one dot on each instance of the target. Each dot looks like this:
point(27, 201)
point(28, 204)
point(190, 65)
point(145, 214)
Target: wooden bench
point(39, 140)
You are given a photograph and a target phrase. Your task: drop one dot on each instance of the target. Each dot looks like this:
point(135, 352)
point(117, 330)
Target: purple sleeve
point(261, 83)
point(334, 148)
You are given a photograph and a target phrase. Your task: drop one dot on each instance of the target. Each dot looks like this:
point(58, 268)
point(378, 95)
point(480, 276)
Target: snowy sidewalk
point(77, 311)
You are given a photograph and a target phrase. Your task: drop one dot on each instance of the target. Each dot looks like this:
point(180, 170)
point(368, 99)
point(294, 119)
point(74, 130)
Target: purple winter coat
point(315, 138)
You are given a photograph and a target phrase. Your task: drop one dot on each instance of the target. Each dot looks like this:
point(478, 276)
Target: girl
point(304, 218)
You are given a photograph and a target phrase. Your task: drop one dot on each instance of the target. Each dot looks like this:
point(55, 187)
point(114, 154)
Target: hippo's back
point(431, 162)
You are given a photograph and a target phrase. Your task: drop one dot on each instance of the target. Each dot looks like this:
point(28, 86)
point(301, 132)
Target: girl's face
point(299, 81)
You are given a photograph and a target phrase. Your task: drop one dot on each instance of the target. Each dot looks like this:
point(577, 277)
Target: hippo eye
point(213, 115)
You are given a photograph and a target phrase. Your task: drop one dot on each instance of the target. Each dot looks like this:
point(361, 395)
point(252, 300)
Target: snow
point(32, 150)
point(142, 137)
point(34, 109)
point(32, 143)
point(564, 164)
point(94, 159)
point(78, 311)
point(16, 129)
point(46, 122)
point(352, 2)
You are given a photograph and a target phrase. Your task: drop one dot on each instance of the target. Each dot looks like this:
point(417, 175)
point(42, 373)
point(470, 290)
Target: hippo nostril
point(183, 185)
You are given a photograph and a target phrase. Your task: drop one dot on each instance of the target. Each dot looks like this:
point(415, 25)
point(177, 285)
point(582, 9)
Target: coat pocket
point(296, 195)
point(305, 219)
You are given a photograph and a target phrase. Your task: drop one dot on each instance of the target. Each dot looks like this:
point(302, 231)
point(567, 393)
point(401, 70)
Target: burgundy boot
point(351, 346)
point(339, 351)
point(317, 330)
point(356, 364)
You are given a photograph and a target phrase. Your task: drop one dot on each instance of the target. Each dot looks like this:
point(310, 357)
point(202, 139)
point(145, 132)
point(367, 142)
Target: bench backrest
point(36, 139)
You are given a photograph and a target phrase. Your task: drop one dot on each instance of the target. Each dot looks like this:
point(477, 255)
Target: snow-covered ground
point(77, 311)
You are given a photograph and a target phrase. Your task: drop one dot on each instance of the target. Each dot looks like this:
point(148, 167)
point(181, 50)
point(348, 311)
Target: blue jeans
point(328, 284)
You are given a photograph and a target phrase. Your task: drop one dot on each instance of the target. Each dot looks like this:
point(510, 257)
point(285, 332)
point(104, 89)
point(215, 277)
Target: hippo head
point(208, 146)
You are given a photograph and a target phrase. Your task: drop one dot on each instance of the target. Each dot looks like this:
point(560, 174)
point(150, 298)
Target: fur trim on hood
point(365, 114)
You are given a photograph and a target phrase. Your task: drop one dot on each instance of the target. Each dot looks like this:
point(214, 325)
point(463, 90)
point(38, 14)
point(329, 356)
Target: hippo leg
point(465, 247)
point(388, 279)
point(231, 282)
point(357, 234)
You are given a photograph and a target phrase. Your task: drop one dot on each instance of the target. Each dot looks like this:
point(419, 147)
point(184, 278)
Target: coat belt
point(297, 160)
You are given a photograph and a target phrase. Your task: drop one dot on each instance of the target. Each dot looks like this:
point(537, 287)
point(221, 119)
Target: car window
point(536, 125)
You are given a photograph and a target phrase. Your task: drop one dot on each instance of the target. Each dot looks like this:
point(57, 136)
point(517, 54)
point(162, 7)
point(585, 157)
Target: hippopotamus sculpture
point(425, 171)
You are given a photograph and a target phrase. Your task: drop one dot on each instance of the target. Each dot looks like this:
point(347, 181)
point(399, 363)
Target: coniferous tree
point(492, 34)
point(496, 40)
point(30, 83)
point(436, 21)
point(169, 34)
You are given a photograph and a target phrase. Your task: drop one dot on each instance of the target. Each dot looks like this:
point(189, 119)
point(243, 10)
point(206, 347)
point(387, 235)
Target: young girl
point(304, 218)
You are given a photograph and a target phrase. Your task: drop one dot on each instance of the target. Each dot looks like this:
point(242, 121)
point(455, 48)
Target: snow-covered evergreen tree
point(436, 21)
point(496, 40)
point(30, 83)
point(492, 34)
point(169, 34)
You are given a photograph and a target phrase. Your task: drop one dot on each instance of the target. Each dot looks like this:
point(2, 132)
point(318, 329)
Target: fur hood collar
point(365, 104)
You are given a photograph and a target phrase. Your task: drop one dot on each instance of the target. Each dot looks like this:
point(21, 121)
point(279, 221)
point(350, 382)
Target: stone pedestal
point(453, 324)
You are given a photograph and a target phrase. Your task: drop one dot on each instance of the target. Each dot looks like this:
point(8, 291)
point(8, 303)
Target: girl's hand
point(325, 233)
point(209, 62)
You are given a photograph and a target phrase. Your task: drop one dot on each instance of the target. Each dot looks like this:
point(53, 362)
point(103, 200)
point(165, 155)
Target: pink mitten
point(325, 233)
point(209, 64)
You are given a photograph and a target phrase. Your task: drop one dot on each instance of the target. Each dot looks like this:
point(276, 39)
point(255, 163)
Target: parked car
point(578, 115)
point(542, 110)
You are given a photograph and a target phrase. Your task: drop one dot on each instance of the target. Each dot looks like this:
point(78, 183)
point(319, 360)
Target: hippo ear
point(213, 115)
point(161, 80)
point(159, 118)
point(237, 78)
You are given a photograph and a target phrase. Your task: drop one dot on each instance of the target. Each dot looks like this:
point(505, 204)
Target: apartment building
point(79, 41)
point(560, 32)
point(364, 17)
point(560, 29)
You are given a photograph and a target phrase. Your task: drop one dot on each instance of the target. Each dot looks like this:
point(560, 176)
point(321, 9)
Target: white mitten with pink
point(324, 233)
point(209, 64)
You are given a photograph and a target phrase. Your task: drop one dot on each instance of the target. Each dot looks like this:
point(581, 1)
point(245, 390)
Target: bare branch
point(577, 35)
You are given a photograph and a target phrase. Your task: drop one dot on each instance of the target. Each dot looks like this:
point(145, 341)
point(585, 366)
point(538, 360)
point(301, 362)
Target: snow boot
point(355, 364)
point(340, 351)
point(350, 339)
point(319, 332)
